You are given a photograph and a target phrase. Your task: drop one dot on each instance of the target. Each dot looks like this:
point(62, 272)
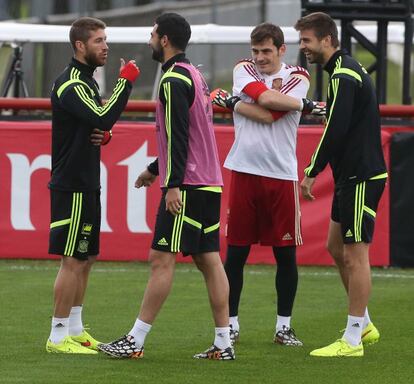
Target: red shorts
point(263, 210)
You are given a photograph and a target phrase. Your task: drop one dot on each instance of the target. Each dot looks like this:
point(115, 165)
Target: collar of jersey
point(180, 57)
point(84, 68)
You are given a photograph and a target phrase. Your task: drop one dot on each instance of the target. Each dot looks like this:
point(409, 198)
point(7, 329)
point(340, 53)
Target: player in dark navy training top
point(351, 144)
point(80, 122)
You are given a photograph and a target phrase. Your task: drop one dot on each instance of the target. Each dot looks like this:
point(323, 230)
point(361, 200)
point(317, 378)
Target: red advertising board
point(128, 214)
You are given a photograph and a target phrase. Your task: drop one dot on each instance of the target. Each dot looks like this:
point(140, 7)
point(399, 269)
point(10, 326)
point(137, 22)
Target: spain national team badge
point(83, 246)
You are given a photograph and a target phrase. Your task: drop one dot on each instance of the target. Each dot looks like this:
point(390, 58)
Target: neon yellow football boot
point(86, 340)
point(370, 335)
point(340, 348)
point(67, 345)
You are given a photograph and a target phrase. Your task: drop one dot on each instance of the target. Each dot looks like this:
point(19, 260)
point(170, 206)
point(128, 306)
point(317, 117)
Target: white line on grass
point(145, 269)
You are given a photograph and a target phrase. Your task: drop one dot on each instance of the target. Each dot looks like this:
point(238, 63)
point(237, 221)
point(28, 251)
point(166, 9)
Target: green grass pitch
point(185, 327)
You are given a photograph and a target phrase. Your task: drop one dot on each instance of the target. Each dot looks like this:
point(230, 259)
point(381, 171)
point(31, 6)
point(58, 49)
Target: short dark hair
point(322, 25)
point(176, 28)
point(81, 29)
point(268, 31)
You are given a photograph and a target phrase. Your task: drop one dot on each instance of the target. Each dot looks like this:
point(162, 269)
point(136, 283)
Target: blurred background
point(42, 62)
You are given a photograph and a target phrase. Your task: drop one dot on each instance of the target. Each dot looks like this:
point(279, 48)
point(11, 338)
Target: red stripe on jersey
point(302, 72)
point(250, 61)
point(287, 84)
point(250, 69)
point(291, 86)
point(254, 89)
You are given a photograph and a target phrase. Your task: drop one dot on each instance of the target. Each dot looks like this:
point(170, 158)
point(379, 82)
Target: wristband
point(236, 106)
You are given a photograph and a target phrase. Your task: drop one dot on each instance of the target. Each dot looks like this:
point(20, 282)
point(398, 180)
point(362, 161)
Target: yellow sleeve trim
point(69, 82)
point(349, 72)
point(177, 76)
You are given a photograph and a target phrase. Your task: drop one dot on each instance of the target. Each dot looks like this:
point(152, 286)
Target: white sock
point(367, 319)
point(282, 321)
point(60, 329)
point(139, 331)
point(234, 322)
point(222, 339)
point(75, 321)
point(353, 330)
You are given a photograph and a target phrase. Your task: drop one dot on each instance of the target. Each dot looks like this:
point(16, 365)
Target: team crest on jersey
point(277, 84)
point(83, 246)
point(86, 229)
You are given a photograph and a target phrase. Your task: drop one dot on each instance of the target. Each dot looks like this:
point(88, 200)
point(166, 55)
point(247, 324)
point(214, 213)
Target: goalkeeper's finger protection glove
point(316, 108)
point(223, 99)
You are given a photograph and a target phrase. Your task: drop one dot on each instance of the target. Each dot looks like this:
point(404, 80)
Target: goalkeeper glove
point(223, 99)
point(313, 107)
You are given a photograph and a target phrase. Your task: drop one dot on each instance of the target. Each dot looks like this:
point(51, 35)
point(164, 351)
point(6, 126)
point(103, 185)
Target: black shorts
point(354, 207)
point(195, 230)
point(75, 223)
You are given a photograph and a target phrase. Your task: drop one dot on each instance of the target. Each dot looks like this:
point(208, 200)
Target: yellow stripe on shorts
point(74, 223)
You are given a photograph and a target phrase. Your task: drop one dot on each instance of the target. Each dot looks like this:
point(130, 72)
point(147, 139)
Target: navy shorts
point(75, 223)
point(354, 207)
point(196, 229)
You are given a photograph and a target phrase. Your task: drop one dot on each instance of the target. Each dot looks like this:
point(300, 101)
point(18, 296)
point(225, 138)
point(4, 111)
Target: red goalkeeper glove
point(130, 71)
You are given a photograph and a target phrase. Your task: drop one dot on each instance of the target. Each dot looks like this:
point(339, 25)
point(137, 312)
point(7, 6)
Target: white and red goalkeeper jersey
point(267, 149)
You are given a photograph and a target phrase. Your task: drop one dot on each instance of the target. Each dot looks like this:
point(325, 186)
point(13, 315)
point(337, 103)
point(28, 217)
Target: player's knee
point(236, 257)
point(285, 257)
point(73, 264)
point(207, 261)
point(354, 259)
point(91, 260)
point(161, 260)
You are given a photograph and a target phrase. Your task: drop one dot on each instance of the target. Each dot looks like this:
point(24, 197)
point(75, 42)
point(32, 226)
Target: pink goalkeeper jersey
point(202, 167)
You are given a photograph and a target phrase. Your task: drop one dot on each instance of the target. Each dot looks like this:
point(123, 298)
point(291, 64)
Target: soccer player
point(78, 120)
point(188, 218)
point(264, 202)
point(351, 144)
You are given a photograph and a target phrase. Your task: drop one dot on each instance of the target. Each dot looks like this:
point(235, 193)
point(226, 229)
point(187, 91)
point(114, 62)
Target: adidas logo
point(349, 233)
point(287, 236)
point(162, 242)
point(355, 325)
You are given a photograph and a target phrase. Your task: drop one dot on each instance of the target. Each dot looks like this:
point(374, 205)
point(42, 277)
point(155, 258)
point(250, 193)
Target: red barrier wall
point(129, 214)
